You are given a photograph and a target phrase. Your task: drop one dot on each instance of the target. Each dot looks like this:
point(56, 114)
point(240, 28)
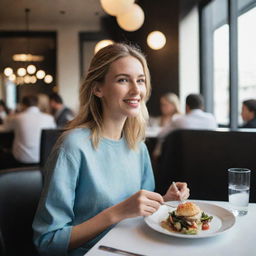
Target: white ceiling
point(51, 11)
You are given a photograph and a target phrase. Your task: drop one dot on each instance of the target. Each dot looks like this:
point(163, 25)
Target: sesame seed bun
point(187, 209)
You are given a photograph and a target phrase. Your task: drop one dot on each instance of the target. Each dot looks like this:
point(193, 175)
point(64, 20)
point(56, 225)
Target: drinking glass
point(239, 190)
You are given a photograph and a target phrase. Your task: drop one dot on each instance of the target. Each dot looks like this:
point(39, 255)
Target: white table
point(134, 235)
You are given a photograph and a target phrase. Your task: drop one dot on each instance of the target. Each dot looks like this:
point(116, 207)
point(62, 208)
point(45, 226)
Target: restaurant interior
point(204, 47)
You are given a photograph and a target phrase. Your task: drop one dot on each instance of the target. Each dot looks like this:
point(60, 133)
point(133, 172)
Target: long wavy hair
point(90, 113)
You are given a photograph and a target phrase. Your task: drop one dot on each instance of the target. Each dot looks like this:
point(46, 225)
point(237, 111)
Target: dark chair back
point(201, 158)
point(48, 140)
point(20, 190)
point(6, 140)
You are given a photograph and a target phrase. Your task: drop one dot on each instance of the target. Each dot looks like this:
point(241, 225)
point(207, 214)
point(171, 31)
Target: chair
point(6, 140)
point(48, 139)
point(20, 190)
point(7, 160)
point(201, 158)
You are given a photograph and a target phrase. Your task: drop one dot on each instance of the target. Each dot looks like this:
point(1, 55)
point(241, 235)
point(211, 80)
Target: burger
point(187, 219)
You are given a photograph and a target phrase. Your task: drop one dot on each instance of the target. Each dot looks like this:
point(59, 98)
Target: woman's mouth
point(132, 102)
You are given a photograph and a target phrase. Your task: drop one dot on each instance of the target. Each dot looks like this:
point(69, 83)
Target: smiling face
point(123, 89)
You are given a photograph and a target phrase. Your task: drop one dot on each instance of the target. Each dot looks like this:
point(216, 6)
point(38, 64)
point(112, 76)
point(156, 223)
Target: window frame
point(206, 56)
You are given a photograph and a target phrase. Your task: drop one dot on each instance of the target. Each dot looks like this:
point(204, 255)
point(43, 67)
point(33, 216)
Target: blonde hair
point(173, 98)
point(90, 110)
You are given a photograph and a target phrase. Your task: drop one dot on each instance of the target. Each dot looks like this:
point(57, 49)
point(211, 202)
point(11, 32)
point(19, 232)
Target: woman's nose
point(134, 87)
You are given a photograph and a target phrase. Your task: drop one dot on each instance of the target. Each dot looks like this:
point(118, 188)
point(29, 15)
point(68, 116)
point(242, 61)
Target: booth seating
point(6, 139)
point(202, 157)
point(48, 140)
point(20, 190)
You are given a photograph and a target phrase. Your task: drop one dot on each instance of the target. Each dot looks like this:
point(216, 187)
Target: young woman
point(100, 171)
point(169, 106)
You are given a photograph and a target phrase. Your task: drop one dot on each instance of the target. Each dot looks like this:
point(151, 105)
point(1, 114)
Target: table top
point(134, 235)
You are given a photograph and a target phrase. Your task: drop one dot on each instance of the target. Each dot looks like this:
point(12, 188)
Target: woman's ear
point(97, 90)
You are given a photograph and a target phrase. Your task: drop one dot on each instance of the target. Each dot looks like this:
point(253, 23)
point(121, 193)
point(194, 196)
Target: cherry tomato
point(205, 226)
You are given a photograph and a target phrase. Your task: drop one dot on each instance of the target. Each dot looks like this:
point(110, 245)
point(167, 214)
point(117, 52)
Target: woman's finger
point(154, 196)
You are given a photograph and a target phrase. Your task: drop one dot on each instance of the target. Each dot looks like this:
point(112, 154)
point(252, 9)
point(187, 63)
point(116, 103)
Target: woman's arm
point(142, 203)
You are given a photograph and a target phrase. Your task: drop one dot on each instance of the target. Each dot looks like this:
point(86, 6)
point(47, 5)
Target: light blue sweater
point(81, 182)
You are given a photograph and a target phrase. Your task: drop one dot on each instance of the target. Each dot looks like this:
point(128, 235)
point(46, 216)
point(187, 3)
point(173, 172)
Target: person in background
point(169, 107)
point(100, 172)
point(249, 113)
point(159, 126)
point(44, 103)
point(3, 111)
point(195, 118)
point(62, 114)
point(27, 126)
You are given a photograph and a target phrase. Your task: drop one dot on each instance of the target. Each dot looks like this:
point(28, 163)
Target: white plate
point(222, 220)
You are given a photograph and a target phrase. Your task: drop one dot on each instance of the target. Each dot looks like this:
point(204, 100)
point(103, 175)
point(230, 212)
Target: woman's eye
point(141, 81)
point(122, 80)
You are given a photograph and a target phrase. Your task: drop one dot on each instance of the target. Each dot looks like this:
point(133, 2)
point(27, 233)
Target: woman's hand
point(142, 203)
point(178, 192)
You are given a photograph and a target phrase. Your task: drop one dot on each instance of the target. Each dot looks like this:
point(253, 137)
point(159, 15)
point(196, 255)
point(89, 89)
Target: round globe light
point(131, 20)
point(27, 79)
point(48, 79)
point(101, 44)
point(40, 74)
point(21, 72)
point(116, 7)
point(31, 69)
point(33, 79)
point(12, 77)
point(8, 71)
point(156, 40)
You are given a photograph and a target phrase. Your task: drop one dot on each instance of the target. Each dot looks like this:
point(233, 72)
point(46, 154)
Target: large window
point(221, 74)
point(246, 56)
point(228, 55)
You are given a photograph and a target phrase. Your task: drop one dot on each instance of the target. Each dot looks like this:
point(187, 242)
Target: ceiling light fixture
point(40, 74)
point(156, 40)
point(8, 71)
point(132, 19)
point(101, 44)
point(116, 7)
point(26, 73)
point(129, 15)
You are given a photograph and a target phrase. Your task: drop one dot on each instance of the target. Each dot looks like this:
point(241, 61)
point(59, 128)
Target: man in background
point(27, 127)
point(62, 114)
point(249, 113)
point(195, 117)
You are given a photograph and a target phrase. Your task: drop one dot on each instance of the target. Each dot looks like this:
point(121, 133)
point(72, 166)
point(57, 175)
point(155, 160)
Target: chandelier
point(28, 73)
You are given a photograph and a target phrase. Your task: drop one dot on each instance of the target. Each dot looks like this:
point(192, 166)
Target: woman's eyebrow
point(127, 75)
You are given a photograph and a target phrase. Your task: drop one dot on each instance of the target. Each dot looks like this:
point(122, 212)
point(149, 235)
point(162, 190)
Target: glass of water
point(239, 190)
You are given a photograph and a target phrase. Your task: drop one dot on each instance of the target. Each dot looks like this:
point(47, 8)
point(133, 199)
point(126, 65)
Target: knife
point(118, 251)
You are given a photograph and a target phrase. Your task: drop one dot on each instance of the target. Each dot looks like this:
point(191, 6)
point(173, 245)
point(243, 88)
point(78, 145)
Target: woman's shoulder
point(75, 138)
point(142, 147)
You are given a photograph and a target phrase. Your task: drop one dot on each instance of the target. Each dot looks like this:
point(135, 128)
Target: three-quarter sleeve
point(53, 220)
point(148, 182)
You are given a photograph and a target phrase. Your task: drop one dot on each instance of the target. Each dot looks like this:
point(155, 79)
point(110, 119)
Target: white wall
point(68, 69)
point(68, 79)
point(189, 55)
